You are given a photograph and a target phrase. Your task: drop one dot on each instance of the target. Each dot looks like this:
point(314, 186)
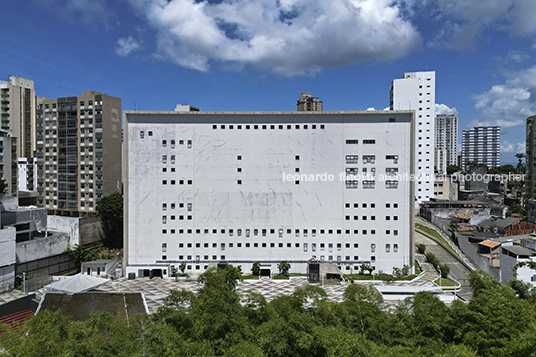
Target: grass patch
point(358, 276)
point(280, 277)
point(418, 269)
point(445, 282)
point(407, 277)
point(72, 272)
point(435, 234)
point(250, 277)
point(297, 274)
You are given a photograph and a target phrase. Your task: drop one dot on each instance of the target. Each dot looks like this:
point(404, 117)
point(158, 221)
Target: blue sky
point(233, 55)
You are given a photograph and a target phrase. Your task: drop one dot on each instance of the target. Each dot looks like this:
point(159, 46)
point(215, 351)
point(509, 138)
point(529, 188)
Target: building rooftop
point(489, 243)
point(499, 223)
point(519, 250)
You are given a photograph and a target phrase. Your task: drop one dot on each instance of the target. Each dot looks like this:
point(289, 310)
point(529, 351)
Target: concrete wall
point(7, 258)
point(42, 247)
point(38, 217)
point(52, 265)
point(81, 231)
point(90, 230)
point(67, 225)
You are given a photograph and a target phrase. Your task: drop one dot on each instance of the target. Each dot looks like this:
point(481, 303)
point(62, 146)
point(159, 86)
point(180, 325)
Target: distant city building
point(446, 129)
point(416, 91)
point(530, 161)
point(308, 103)
point(8, 162)
point(481, 145)
point(27, 174)
point(17, 99)
point(78, 151)
point(210, 187)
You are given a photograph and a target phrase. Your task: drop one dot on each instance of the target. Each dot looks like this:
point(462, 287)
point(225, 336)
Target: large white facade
point(204, 187)
point(416, 91)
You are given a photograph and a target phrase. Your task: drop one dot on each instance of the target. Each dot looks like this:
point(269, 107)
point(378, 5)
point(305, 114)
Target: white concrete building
point(27, 174)
point(416, 91)
point(481, 145)
point(241, 187)
point(446, 141)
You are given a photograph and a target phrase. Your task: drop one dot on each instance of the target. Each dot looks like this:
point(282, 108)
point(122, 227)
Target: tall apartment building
point(18, 105)
point(308, 103)
point(416, 91)
point(530, 163)
point(446, 141)
point(78, 152)
point(206, 187)
point(481, 145)
point(8, 162)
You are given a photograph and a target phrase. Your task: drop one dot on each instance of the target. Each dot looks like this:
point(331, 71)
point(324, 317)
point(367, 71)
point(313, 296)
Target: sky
point(259, 55)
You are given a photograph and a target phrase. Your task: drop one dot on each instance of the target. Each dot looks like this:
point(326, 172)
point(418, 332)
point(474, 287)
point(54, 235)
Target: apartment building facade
point(78, 152)
point(416, 91)
point(446, 141)
point(308, 103)
point(207, 187)
point(530, 165)
point(481, 145)
point(18, 105)
point(8, 162)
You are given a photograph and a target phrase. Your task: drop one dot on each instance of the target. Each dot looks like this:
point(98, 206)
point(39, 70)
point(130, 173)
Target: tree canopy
point(216, 321)
point(110, 211)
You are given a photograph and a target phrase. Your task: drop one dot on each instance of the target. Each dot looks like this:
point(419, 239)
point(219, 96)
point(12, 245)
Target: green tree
point(421, 248)
point(452, 169)
point(110, 211)
point(256, 269)
point(520, 166)
point(81, 254)
point(283, 267)
point(182, 267)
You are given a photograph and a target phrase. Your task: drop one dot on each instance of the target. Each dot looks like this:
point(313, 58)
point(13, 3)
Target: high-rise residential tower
point(416, 91)
point(446, 141)
point(481, 145)
point(78, 151)
point(530, 161)
point(17, 99)
point(308, 103)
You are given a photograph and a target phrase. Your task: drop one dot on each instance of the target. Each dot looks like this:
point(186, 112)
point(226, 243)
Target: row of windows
point(264, 232)
point(372, 205)
point(355, 141)
point(173, 182)
point(372, 218)
point(172, 206)
point(322, 258)
point(172, 143)
point(264, 126)
point(321, 246)
point(368, 184)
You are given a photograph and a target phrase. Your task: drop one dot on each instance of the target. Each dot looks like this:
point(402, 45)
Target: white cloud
point(371, 109)
point(290, 37)
point(510, 148)
point(126, 46)
point(509, 104)
point(462, 23)
point(444, 109)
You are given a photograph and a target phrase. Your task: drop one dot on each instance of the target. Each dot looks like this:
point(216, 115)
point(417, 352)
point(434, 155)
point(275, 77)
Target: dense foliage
point(110, 211)
point(218, 322)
